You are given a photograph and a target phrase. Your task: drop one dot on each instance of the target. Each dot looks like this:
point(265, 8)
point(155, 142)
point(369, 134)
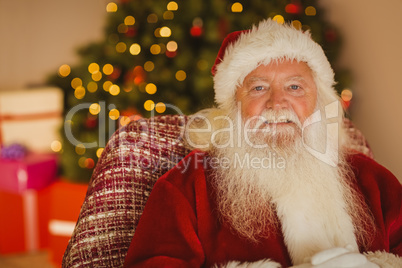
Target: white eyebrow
point(296, 77)
point(256, 79)
point(260, 78)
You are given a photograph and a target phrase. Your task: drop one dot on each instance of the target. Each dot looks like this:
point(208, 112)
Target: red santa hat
point(243, 51)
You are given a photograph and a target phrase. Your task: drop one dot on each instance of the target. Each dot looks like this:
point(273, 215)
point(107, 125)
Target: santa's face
point(284, 85)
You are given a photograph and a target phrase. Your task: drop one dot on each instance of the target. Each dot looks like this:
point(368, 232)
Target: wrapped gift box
point(31, 117)
point(24, 218)
point(40, 219)
point(65, 201)
point(24, 204)
point(34, 171)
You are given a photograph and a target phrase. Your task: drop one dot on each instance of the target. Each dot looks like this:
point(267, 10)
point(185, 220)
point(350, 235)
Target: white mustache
point(278, 116)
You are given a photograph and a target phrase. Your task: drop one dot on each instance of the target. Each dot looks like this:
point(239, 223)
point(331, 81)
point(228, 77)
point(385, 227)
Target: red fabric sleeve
point(177, 224)
point(384, 196)
point(166, 235)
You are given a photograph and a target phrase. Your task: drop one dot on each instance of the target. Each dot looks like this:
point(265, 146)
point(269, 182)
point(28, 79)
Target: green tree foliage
point(161, 51)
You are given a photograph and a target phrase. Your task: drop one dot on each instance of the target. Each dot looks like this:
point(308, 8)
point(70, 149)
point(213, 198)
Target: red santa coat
point(180, 228)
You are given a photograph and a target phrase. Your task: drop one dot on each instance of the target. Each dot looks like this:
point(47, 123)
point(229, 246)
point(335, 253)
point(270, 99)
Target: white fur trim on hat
point(265, 42)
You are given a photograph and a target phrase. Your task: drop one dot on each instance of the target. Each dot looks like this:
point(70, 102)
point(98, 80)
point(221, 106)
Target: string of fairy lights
point(109, 73)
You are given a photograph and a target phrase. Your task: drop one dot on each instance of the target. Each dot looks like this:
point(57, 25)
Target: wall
point(38, 36)
point(372, 51)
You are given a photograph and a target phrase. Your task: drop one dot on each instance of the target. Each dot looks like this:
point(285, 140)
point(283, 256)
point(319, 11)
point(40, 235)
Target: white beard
point(313, 201)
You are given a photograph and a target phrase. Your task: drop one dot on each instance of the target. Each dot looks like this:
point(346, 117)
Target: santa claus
point(272, 180)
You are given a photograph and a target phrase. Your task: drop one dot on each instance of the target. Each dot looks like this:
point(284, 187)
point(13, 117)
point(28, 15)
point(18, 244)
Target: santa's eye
point(294, 87)
point(258, 88)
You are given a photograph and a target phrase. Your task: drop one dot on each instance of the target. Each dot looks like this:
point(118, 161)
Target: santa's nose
point(277, 99)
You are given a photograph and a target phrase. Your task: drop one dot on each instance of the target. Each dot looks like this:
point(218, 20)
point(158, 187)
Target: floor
point(38, 259)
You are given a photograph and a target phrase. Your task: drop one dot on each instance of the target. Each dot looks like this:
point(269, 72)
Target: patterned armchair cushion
point(134, 158)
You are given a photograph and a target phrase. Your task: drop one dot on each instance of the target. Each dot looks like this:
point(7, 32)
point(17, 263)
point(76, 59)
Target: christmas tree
point(156, 55)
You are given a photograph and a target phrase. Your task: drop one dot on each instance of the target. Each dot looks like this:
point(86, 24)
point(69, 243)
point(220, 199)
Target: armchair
point(134, 158)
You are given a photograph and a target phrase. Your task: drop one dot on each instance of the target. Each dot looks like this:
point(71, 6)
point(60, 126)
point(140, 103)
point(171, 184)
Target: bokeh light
point(181, 75)
point(150, 88)
point(114, 114)
point(107, 69)
point(168, 15)
point(297, 24)
point(122, 28)
point(346, 95)
point(81, 162)
point(155, 49)
point(107, 85)
point(157, 32)
point(237, 7)
point(279, 19)
point(310, 11)
point(96, 76)
point(76, 82)
point(152, 18)
point(80, 149)
point(160, 107)
point(165, 31)
point(64, 70)
point(56, 146)
point(121, 47)
point(149, 66)
point(79, 92)
point(93, 68)
point(114, 90)
point(149, 105)
point(292, 8)
point(89, 163)
point(99, 152)
point(135, 49)
point(94, 109)
point(127, 88)
point(172, 6)
point(124, 120)
point(129, 20)
point(111, 7)
point(92, 87)
point(171, 46)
